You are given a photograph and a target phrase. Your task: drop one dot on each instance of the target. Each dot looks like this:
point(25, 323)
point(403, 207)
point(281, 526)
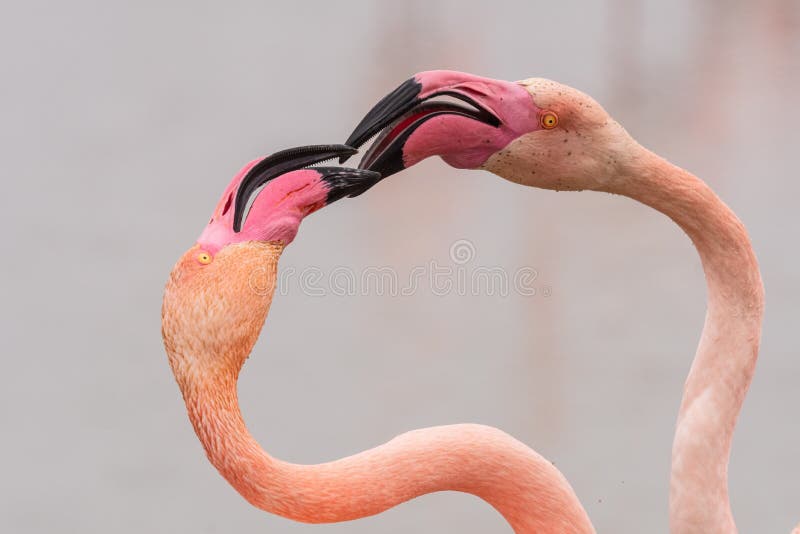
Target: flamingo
point(215, 303)
point(540, 133)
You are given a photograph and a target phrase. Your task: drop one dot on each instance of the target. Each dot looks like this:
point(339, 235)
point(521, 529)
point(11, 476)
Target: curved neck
point(726, 356)
point(525, 488)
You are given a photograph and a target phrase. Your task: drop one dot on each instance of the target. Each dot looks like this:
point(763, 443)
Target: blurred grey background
point(122, 123)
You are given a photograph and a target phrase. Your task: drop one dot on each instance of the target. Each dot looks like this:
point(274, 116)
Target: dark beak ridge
point(390, 107)
point(279, 163)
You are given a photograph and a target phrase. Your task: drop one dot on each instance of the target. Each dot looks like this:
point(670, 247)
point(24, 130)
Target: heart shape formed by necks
point(215, 304)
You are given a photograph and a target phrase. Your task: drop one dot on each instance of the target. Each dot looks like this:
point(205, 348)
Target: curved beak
point(397, 115)
point(386, 111)
point(340, 181)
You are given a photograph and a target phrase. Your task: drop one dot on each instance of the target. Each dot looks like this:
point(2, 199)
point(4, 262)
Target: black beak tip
point(389, 165)
point(347, 182)
point(346, 152)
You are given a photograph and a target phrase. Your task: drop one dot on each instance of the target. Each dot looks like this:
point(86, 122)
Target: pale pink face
point(535, 132)
point(479, 117)
point(269, 197)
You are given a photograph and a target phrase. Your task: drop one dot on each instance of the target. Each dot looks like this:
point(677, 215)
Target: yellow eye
point(549, 120)
point(204, 258)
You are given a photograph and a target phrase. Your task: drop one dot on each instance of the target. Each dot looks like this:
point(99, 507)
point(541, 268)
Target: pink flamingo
point(215, 304)
point(543, 134)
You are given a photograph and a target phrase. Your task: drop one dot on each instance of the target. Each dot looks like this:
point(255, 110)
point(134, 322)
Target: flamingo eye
point(204, 258)
point(549, 120)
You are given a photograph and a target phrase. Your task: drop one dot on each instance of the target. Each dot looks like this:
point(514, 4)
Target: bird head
point(269, 197)
point(219, 291)
point(536, 131)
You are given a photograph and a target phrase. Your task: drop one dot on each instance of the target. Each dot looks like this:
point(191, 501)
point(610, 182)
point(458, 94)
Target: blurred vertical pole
point(716, 84)
point(541, 356)
point(782, 42)
point(625, 22)
point(409, 37)
point(412, 36)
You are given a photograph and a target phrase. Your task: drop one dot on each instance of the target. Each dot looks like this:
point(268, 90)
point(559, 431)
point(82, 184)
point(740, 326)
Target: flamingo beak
point(340, 181)
point(401, 112)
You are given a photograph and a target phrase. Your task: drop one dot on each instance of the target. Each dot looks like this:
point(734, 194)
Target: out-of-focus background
point(122, 122)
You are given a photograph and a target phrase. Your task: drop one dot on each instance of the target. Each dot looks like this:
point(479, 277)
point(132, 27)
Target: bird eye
point(204, 258)
point(549, 120)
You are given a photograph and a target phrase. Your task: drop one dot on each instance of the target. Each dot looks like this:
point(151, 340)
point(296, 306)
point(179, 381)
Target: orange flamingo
point(215, 304)
point(543, 134)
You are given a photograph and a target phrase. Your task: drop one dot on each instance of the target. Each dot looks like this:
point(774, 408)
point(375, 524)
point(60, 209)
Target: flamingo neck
point(525, 488)
point(726, 356)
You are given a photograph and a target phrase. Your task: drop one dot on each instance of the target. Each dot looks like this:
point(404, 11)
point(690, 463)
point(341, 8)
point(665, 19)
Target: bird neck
point(213, 409)
point(530, 493)
point(726, 356)
point(524, 487)
point(211, 319)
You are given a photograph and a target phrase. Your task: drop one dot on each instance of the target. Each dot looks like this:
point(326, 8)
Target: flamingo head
point(269, 197)
point(536, 131)
point(219, 291)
